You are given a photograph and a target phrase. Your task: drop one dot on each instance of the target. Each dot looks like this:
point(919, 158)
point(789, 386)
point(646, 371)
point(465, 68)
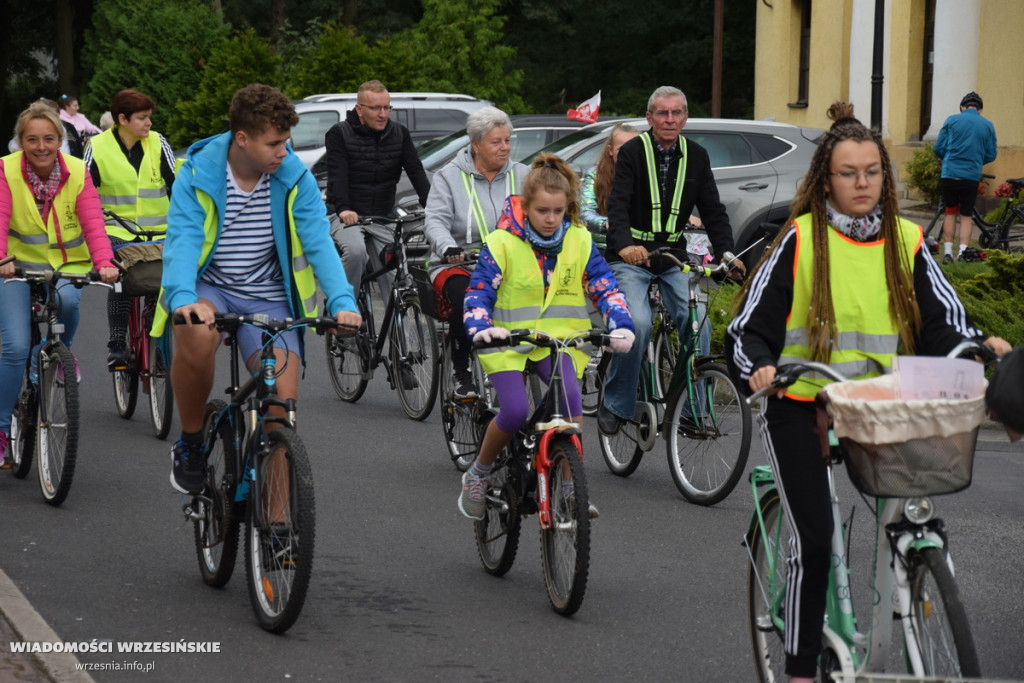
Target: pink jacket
point(83, 125)
point(87, 206)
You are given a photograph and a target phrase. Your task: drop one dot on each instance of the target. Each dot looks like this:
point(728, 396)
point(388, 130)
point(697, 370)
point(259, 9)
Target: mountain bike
point(912, 583)
point(1005, 233)
point(258, 472)
point(541, 472)
point(411, 356)
point(146, 362)
point(691, 400)
point(45, 418)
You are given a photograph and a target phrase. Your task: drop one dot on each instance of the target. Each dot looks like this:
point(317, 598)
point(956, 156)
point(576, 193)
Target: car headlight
point(918, 510)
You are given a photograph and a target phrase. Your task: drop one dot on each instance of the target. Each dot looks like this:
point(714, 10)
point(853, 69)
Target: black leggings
point(454, 292)
point(794, 452)
point(119, 307)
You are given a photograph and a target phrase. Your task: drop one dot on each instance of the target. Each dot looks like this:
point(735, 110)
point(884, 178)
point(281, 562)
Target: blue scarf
point(549, 246)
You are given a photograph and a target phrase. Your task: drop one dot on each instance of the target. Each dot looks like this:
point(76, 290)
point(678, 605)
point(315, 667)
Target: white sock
point(962, 247)
point(948, 246)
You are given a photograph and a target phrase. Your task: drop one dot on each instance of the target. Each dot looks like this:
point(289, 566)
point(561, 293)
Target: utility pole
point(877, 76)
point(716, 60)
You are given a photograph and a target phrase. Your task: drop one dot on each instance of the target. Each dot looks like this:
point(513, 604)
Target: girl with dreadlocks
point(845, 283)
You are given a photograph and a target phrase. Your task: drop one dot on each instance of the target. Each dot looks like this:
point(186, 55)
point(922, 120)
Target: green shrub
point(991, 292)
point(720, 313)
point(923, 173)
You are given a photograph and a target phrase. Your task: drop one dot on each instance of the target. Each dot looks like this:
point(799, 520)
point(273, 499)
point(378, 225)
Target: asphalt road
point(398, 593)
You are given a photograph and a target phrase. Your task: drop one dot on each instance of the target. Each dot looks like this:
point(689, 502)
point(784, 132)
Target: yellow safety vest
point(58, 242)
point(141, 197)
point(303, 283)
point(563, 309)
point(483, 229)
point(867, 337)
point(655, 186)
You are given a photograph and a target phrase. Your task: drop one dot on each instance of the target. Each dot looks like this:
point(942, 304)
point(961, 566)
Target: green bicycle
point(691, 400)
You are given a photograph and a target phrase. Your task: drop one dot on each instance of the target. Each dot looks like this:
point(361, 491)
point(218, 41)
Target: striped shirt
point(245, 263)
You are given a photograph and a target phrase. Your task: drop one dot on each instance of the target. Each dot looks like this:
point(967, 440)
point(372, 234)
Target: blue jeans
point(624, 371)
point(16, 337)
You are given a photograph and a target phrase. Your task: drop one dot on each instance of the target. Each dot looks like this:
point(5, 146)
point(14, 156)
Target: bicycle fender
point(709, 360)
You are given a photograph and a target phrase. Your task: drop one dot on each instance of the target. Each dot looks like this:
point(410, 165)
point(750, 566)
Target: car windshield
point(436, 152)
point(559, 146)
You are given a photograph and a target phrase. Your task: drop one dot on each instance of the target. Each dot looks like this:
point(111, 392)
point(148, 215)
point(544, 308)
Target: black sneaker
point(117, 356)
point(465, 387)
point(947, 258)
point(607, 421)
point(188, 467)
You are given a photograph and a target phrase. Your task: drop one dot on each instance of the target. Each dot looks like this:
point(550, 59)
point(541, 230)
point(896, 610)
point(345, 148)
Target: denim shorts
point(250, 338)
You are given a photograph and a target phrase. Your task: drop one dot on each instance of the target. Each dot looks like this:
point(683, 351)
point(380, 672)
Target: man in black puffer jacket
point(365, 156)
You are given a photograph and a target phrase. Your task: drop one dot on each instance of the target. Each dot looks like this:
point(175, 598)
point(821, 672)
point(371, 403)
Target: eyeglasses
point(376, 110)
point(663, 113)
point(872, 175)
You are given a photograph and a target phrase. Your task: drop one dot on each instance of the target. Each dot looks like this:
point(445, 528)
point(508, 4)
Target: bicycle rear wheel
point(707, 444)
point(22, 445)
point(348, 364)
point(280, 531)
point(938, 618)
point(161, 395)
point(590, 386)
point(216, 529)
point(58, 424)
point(126, 388)
point(497, 534)
point(415, 371)
point(768, 546)
point(565, 545)
point(666, 350)
point(622, 451)
point(459, 416)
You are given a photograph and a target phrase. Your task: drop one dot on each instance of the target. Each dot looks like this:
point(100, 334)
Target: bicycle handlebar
point(230, 322)
point(131, 226)
point(21, 273)
point(390, 220)
point(724, 267)
point(595, 336)
point(789, 373)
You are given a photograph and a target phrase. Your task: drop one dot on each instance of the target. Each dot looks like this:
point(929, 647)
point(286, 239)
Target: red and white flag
point(587, 111)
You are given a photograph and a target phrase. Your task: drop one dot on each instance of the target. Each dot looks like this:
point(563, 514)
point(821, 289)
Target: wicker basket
point(896, 448)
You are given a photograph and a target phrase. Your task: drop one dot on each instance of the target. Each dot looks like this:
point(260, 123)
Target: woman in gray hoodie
point(465, 201)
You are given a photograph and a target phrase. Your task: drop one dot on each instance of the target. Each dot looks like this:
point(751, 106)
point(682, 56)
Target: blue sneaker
point(188, 467)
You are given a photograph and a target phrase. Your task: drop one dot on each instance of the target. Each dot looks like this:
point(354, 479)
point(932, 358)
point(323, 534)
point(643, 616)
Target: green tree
point(157, 47)
point(243, 59)
point(338, 62)
point(459, 47)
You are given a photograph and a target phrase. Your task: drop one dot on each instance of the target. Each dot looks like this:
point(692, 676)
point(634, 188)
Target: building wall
point(1000, 77)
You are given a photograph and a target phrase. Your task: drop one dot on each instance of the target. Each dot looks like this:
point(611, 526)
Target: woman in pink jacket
point(43, 194)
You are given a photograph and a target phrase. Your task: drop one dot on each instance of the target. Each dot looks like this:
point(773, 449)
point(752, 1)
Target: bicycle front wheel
point(216, 529)
point(280, 531)
point(768, 546)
point(126, 388)
point(22, 444)
point(161, 395)
point(938, 618)
point(58, 425)
point(707, 440)
point(414, 360)
point(565, 544)
point(497, 534)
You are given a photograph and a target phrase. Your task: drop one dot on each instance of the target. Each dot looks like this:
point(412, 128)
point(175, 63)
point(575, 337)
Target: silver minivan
point(426, 115)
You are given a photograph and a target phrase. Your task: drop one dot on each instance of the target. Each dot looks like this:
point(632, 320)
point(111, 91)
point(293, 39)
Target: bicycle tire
point(937, 219)
point(707, 455)
point(126, 389)
point(161, 394)
point(279, 555)
point(766, 589)
point(497, 534)
point(938, 618)
point(666, 351)
point(22, 445)
point(565, 544)
point(420, 359)
point(57, 431)
point(590, 385)
point(621, 451)
point(459, 416)
point(348, 363)
point(216, 529)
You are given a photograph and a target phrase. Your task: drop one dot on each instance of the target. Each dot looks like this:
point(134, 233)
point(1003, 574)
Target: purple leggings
point(510, 387)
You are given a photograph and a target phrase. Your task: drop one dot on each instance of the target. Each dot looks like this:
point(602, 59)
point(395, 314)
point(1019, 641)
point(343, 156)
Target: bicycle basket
point(896, 448)
point(143, 263)
point(425, 289)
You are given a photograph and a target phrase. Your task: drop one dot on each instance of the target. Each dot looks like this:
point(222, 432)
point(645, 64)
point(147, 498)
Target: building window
point(804, 8)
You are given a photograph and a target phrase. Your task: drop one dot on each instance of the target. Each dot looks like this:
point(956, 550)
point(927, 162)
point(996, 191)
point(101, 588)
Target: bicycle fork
point(542, 464)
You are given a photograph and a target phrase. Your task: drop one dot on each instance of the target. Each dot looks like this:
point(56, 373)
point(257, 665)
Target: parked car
point(426, 115)
point(530, 132)
point(758, 166)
